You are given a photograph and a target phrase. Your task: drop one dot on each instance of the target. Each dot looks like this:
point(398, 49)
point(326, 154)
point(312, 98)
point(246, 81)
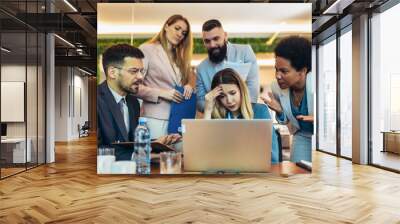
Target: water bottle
point(142, 147)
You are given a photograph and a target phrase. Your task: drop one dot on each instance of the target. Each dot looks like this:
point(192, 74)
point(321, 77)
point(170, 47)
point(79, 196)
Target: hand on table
point(169, 139)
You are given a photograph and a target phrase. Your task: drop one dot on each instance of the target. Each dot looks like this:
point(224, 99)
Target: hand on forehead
point(227, 87)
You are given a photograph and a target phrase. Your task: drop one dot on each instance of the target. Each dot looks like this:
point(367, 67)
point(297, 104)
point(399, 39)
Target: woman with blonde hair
point(230, 99)
point(167, 65)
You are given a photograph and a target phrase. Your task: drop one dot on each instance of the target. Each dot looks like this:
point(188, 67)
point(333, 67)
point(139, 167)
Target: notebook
point(184, 110)
point(156, 147)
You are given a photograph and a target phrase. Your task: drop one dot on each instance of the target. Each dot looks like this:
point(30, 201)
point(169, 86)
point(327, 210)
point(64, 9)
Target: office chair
point(84, 130)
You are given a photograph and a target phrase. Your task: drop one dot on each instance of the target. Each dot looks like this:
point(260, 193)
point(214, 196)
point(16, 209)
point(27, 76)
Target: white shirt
point(118, 98)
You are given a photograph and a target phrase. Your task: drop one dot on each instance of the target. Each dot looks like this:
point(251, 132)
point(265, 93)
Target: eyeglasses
point(132, 71)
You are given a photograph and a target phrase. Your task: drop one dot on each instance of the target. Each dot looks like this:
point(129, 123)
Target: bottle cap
point(142, 120)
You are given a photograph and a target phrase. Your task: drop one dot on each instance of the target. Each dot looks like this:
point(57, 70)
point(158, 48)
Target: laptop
point(227, 146)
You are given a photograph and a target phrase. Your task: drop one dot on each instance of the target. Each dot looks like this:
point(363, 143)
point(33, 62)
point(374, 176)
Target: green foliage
point(258, 44)
point(103, 44)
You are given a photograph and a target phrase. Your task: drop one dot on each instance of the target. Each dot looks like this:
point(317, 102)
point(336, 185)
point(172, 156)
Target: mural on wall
point(166, 72)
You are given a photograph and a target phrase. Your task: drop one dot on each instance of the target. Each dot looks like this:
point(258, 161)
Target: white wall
point(80, 111)
point(71, 102)
point(61, 103)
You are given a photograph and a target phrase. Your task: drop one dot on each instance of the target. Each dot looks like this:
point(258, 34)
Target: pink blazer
point(159, 75)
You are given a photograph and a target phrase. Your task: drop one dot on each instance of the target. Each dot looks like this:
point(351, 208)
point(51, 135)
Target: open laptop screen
point(227, 145)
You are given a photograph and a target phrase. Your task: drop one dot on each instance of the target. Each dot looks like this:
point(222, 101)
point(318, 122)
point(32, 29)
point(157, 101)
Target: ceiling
point(239, 20)
point(76, 20)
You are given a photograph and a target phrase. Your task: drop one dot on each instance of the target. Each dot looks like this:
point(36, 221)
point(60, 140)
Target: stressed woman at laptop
point(229, 99)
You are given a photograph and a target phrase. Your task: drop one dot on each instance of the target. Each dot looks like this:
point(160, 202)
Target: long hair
point(230, 76)
point(181, 55)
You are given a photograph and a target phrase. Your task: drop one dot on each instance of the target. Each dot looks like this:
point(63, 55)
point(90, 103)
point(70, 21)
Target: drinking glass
point(105, 159)
point(170, 162)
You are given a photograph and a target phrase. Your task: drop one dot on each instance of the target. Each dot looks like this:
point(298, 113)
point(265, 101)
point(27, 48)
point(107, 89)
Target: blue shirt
point(239, 57)
point(302, 110)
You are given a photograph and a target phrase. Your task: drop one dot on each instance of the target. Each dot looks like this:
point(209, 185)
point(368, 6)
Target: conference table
point(285, 168)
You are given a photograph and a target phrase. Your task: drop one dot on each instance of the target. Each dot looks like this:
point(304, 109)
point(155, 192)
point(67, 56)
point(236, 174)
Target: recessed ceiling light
point(5, 50)
point(84, 71)
point(337, 7)
point(70, 5)
point(64, 40)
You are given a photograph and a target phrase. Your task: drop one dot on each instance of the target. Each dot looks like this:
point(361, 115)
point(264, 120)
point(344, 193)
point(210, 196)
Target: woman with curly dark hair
point(292, 93)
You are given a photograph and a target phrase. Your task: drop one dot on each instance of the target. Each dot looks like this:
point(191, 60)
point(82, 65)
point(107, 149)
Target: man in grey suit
point(118, 109)
point(221, 55)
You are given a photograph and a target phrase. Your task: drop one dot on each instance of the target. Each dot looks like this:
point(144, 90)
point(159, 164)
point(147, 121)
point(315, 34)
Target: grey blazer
point(283, 97)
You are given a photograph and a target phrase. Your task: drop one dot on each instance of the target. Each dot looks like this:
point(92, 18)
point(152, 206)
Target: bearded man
point(223, 54)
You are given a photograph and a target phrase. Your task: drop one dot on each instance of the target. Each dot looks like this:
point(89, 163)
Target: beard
point(217, 54)
point(130, 89)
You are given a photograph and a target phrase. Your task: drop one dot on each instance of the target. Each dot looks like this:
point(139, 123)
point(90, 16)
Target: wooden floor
point(5, 172)
point(69, 191)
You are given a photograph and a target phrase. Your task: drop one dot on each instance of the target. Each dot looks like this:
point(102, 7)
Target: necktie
point(124, 112)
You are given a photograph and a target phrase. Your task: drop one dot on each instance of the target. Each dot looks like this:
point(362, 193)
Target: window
point(346, 93)
point(385, 87)
point(327, 96)
point(22, 69)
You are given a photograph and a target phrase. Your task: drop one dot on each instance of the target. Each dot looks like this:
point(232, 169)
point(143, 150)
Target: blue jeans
point(301, 147)
point(274, 148)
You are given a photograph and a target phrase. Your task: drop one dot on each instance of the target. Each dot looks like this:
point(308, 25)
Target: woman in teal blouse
point(229, 99)
point(292, 93)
